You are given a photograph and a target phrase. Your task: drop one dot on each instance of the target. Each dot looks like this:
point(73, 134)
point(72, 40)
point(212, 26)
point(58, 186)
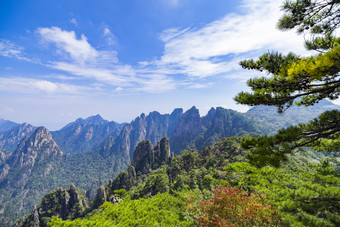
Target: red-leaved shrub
point(232, 207)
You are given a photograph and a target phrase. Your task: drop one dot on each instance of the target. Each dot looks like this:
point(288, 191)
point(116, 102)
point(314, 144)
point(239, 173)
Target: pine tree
point(300, 81)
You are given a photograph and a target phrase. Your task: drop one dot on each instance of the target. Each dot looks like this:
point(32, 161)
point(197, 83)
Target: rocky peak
point(192, 111)
point(100, 197)
point(177, 112)
point(162, 151)
point(63, 203)
point(207, 120)
point(38, 146)
point(145, 157)
point(188, 127)
point(95, 120)
point(212, 112)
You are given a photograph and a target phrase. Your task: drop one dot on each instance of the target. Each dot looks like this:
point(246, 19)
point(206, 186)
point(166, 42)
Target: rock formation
point(63, 203)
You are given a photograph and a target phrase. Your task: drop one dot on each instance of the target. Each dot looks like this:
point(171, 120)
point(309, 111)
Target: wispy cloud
point(35, 86)
point(74, 21)
point(10, 49)
point(66, 41)
point(207, 51)
point(118, 75)
point(100, 65)
point(111, 39)
point(190, 56)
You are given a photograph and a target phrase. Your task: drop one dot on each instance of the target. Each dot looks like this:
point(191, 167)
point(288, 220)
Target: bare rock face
point(37, 147)
point(63, 203)
point(162, 152)
point(143, 157)
point(152, 127)
point(189, 126)
point(100, 197)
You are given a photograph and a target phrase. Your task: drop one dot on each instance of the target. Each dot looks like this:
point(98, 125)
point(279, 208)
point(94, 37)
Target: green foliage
point(156, 183)
point(323, 134)
point(309, 79)
point(316, 17)
point(171, 195)
point(300, 195)
point(160, 210)
point(120, 193)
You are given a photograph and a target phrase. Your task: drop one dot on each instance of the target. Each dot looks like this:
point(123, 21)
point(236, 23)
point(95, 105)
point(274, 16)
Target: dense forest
point(215, 187)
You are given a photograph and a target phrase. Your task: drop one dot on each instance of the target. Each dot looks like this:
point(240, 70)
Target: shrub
point(232, 207)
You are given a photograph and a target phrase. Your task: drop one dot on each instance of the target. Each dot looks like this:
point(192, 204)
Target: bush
point(233, 207)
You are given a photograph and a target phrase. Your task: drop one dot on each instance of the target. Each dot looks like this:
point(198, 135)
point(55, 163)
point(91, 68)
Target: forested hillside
point(179, 190)
point(21, 190)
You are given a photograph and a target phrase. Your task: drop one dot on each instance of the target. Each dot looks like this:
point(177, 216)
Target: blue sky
point(60, 60)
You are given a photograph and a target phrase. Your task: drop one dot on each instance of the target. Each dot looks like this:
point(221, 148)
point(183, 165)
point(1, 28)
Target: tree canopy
point(300, 81)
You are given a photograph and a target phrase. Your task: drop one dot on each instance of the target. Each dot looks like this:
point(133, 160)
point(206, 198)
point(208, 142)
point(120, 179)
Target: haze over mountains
point(34, 161)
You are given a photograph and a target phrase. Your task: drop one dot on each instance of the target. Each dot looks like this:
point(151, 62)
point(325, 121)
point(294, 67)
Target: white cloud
point(195, 51)
point(32, 86)
point(11, 50)
point(101, 65)
point(190, 54)
point(155, 83)
point(171, 33)
point(78, 49)
point(74, 21)
point(107, 31)
point(111, 39)
point(118, 75)
point(119, 89)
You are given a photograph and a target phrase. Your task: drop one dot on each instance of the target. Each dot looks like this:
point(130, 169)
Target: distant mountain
point(5, 125)
point(25, 175)
point(38, 165)
point(294, 115)
point(85, 134)
point(185, 130)
point(193, 131)
point(152, 127)
point(97, 150)
point(10, 138)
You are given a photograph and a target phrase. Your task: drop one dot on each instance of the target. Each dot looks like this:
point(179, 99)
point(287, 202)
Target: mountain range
point(92, 150)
